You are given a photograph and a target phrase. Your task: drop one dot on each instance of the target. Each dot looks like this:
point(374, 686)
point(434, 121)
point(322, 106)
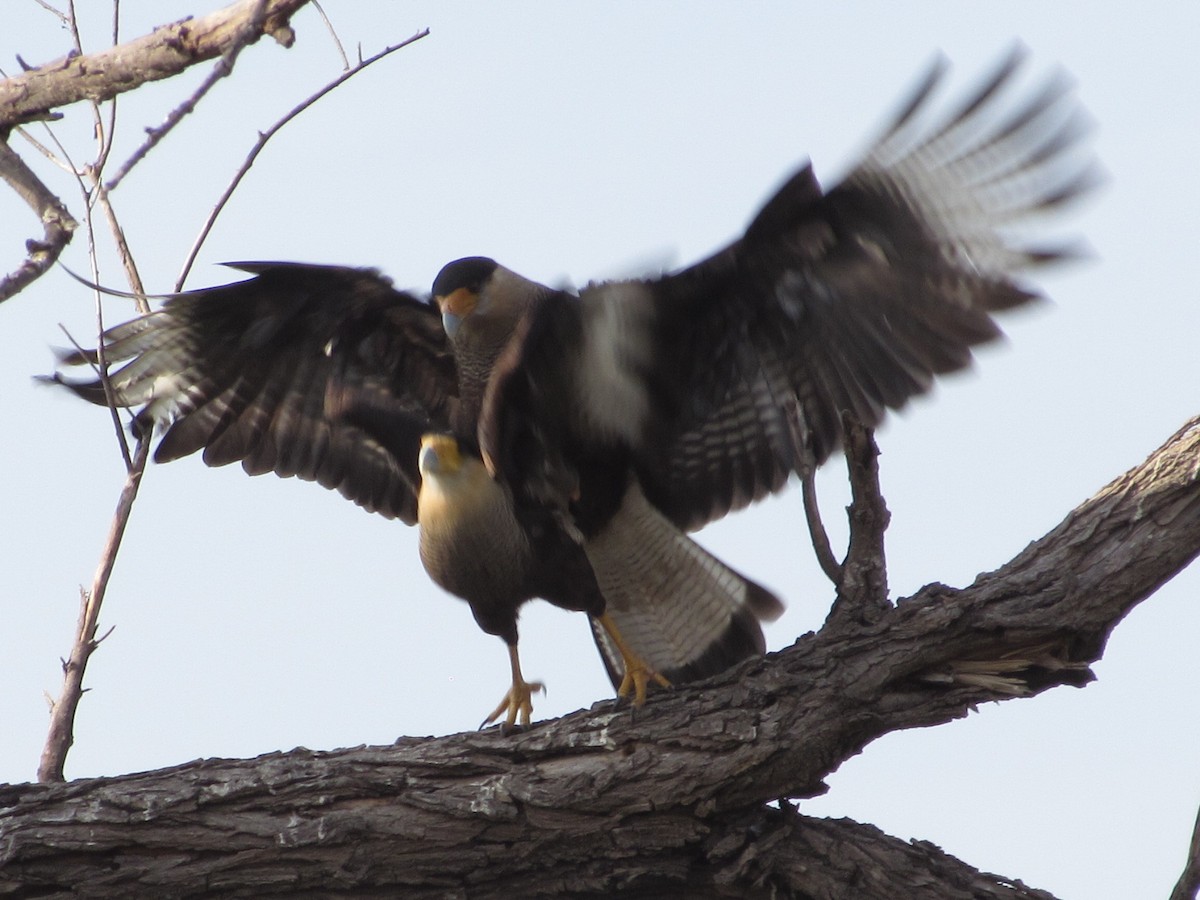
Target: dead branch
point(862, 594)
point(265, 136)
point(166, 51)
point(227, 32)
point(816, 529)
point(57, 224)
point(62, 714)
point(247, 32)
point(802, 449)
point(600, 801)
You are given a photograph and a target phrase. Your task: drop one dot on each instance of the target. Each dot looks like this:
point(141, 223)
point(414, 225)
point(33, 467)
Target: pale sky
point(574, 142)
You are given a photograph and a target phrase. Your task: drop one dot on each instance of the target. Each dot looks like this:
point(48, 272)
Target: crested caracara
point(562, 444)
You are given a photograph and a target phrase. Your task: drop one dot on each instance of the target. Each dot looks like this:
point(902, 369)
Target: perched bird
point(561, 444)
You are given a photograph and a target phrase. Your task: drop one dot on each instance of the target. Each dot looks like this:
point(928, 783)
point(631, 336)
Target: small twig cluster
point(32, 96)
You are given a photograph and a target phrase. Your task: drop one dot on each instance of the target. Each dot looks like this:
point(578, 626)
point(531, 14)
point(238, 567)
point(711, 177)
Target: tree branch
point(862, 593)
point(166, 51)
point(352, 842)
point(100, 76)
point(1188, 886)
point(248, 31)
point(802, 448)
point(57, 224)
point(96, 77)
point(265, 136)
point(62, 713)
point(597, 801)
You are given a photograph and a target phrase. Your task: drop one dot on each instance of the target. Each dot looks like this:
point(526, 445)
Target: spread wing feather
point(720, 380)
point(850, 300)
point(242, 372)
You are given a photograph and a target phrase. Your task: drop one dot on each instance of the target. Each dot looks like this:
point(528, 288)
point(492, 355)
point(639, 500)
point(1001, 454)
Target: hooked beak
point(455, 307)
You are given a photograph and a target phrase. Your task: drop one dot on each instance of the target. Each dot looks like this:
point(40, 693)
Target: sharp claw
point(636, 681)
point(638, 674)
point(517, 703)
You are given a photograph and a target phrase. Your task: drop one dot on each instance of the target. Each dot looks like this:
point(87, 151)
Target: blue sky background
point(574, 142)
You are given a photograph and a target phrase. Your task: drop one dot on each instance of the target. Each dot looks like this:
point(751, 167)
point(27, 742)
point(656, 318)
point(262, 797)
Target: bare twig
point(61, 735)
point(62, 18)
point(1188, 886)
point(816, 529)
point(101, 371)
point(62, 716)
point(337, 42)
point(49, 154)
point(104, 132)
point(91, 196)
point(247, 33)
point(131, 272)
point(57, 224)
point(265, 136)
point(165, 52)
point(94, 263)
point(802, 450)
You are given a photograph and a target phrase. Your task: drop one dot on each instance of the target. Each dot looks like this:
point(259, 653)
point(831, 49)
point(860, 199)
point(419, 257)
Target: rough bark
point(670, 802)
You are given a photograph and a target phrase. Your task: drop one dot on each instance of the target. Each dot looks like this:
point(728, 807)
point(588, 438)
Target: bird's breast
point(470, 541)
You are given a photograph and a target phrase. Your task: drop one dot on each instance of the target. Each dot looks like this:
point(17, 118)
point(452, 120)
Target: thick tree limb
point(671, 803)
point(352, 841)
point(166, 51)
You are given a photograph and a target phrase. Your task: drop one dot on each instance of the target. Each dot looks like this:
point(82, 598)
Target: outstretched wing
point(850, 300)
point(242, 372)
point(853, 299)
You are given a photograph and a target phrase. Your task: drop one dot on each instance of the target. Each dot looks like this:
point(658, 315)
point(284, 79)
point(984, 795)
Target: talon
point(637, 678)
point(518, 702)
point(638, 674)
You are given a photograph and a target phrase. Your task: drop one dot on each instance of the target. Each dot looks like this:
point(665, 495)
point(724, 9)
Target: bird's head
point(482, 302)
point(461, 288)
point(440, 456)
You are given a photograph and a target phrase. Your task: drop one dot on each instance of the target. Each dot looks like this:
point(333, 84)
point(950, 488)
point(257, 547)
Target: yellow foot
point(638, 674)
point(637, 679)
point(518, 702)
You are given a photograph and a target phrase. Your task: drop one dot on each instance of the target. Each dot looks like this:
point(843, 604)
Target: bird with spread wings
point(561, 444)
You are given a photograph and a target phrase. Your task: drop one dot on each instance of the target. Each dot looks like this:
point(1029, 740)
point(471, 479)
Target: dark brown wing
point(851, 300)
point(242, 372)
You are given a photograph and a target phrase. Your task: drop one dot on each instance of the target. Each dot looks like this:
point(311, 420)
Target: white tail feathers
point(682, 610)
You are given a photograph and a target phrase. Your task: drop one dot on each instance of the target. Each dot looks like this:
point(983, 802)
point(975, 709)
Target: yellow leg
point(518, 701)
point(638, 674)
